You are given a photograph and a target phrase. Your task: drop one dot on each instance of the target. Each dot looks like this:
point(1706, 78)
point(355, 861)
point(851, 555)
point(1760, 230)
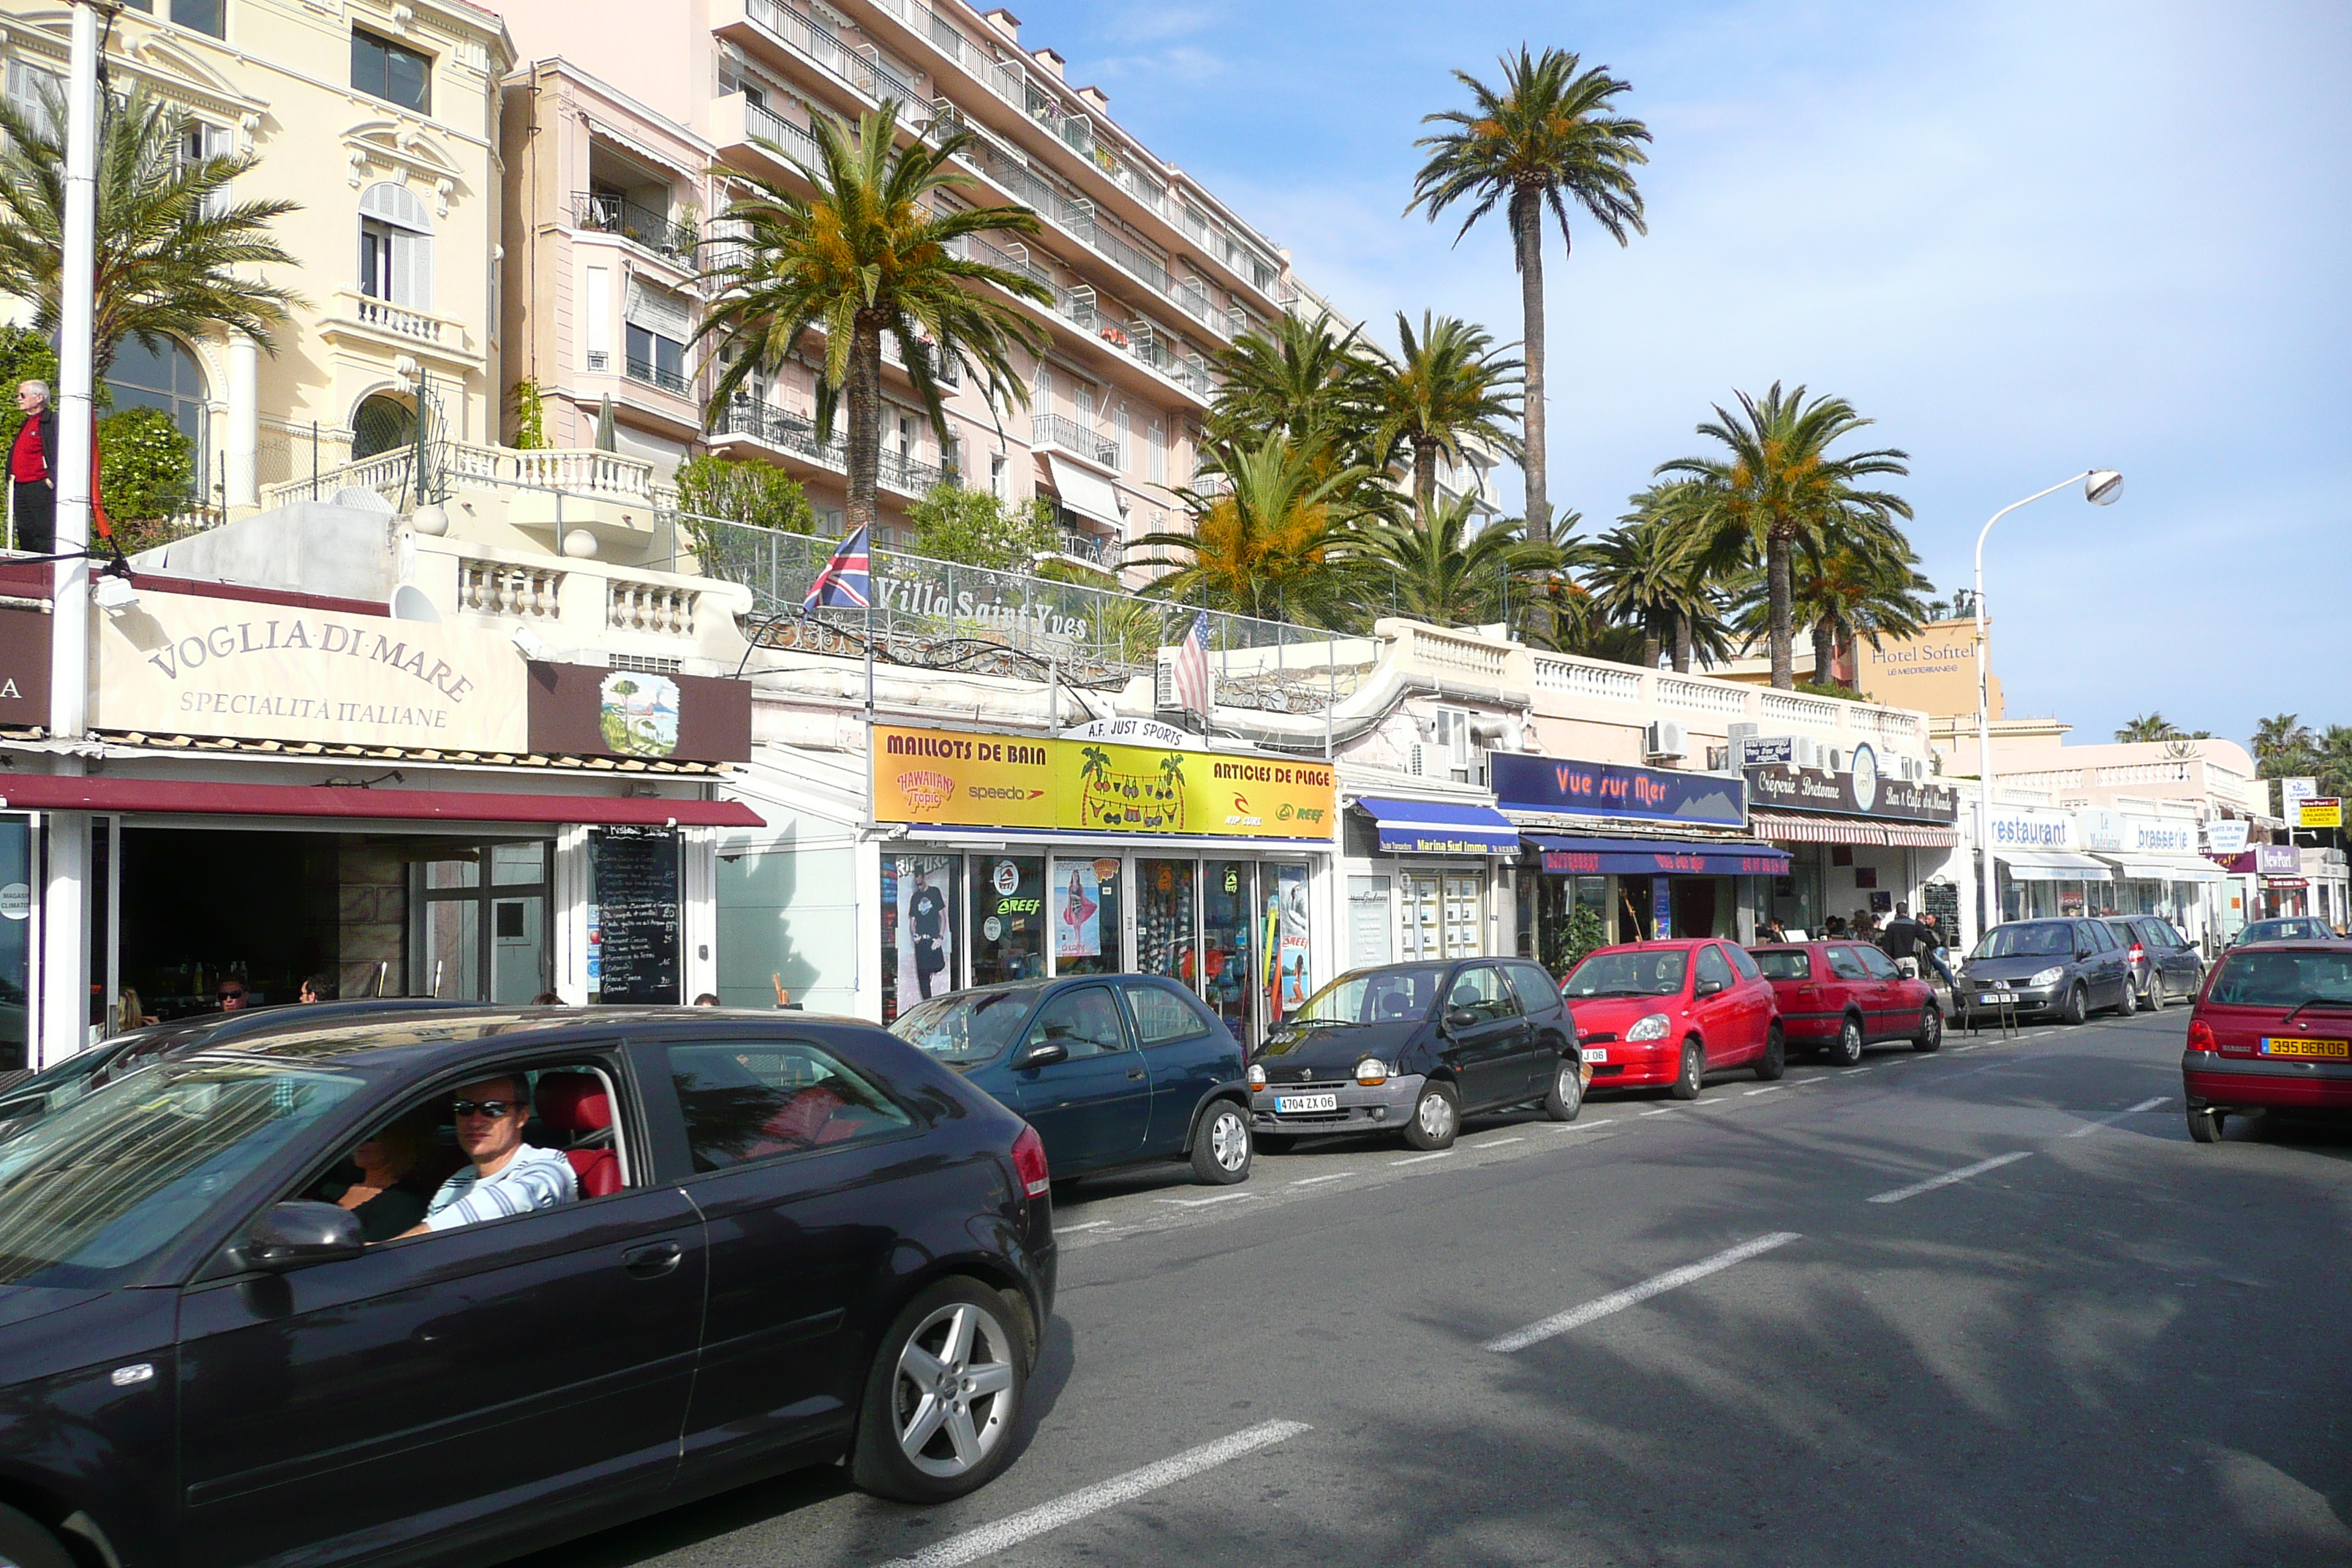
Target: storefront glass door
point(1287, 929)
point(480, 941)
point(1167, 915)
point(1008, 928)
point(1229, 941)
point(1086, 912)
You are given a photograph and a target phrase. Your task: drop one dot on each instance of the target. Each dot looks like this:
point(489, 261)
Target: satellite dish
point(409, 602)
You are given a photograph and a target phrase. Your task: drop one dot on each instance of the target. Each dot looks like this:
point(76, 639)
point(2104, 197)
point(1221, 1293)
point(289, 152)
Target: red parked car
point(1836, 997)
point(2273, 1027)
point(1654, 1014)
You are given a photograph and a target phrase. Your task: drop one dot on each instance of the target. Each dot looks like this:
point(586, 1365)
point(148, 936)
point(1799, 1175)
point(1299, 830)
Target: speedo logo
point(997, 792)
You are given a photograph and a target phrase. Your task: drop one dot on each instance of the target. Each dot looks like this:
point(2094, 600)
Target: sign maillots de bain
point(971, 780)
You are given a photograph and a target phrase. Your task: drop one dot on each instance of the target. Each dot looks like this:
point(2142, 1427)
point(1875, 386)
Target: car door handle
point(1136, 1075)
point(652, 1260)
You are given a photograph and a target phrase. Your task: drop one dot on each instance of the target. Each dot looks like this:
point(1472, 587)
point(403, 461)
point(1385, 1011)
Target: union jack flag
point(1192, 667)
point(845, 582)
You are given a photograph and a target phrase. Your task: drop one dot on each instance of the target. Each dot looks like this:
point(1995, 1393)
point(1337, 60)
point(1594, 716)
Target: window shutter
point(658, 311)
point(412, 269)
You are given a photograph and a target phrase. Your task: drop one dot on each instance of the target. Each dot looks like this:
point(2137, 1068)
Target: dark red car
point(2273, 1028)
point(1665, 1014)
point(1836, 997)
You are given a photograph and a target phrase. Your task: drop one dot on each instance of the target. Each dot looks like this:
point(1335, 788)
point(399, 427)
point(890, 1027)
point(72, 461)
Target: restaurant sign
point(1813, 789)
point(182, 664)
point(1546, 785)
point(964, 779)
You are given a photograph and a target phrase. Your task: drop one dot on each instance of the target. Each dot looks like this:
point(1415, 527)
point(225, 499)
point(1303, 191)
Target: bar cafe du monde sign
point(1858, 790)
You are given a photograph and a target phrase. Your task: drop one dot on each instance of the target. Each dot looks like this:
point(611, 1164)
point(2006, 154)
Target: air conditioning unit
point(1833, 760)
point(1745, 730)
point(1808, 752)
point(1664, 739)
point(1163, 681)
point(1911, 770)
point(1417, 759)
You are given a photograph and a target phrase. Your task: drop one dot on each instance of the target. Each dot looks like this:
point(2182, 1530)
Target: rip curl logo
point(926, 791)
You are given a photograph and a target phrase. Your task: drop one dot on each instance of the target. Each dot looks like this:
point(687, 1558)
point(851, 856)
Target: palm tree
point(1304, 378)
point(1778, 486)
point(1847, 591)
point(1449, 384)
point(1645, 574)
point(1439, 571)
point(170, 244)
point(874, 252)
point(1095, 764)
point(1274, 542)
point(2283, 745)
point(1546, 138)
point(2149, 726)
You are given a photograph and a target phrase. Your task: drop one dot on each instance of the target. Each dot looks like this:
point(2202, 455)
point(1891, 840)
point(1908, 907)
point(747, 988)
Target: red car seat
point(577, 1108)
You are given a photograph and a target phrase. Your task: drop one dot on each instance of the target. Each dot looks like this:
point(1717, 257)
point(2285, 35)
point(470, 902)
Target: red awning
point(49, 792)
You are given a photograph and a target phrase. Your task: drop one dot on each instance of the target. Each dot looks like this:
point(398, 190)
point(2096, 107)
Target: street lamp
point(2101, 487)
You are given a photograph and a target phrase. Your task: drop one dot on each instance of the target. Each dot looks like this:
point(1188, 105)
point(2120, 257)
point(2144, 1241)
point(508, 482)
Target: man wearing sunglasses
point(507, 1176)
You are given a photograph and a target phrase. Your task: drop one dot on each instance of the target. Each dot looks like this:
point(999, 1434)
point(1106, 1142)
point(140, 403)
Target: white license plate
point(1286, 1102)
point(1994, 998)
point(1595, 1054)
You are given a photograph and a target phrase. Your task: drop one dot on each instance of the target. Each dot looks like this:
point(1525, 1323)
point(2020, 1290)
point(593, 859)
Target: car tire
point(2205, 1124)
point(1774, 1062)
point(2155, 996)
point(1566, 1095)
point(2130, 1003)
point(1273, 1143)
point(956, 1337)
point(24, 1544)
point(2078, 1006)
point(1692, 1077)
point(1436, 1118)
point(1930, 1036)
point(1221, 1146)
point(1848, 1049)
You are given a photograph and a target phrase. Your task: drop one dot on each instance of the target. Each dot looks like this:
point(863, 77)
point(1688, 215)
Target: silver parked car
point(2164, 967)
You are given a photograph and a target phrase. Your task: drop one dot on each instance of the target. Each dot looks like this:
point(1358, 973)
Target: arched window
point(382, 423)
point(171, 380)
point(395, 246)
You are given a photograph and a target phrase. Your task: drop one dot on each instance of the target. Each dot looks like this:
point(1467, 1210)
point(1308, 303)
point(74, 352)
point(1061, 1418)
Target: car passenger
point(507, 1176)
point(381, 1183)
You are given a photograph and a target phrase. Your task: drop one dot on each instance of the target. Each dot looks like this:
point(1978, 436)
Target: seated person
point(383, 1183)
point(507, 1176)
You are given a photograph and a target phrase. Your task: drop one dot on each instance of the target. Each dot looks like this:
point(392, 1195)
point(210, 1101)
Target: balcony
point(1094, 548)
point(823, 48)
point(1069, 436)
point(784, 432)
point(602, 213)
point(652, 374)
point(382, 324)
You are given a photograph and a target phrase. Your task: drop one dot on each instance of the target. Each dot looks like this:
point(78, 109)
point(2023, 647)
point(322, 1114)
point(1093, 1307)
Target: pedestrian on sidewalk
point(33, 469)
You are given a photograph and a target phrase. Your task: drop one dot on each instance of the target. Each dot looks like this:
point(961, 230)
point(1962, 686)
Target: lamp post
point(2101, 487)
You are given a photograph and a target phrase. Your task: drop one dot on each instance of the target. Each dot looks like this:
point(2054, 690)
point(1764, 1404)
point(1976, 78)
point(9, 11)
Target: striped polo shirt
point(534, 1178)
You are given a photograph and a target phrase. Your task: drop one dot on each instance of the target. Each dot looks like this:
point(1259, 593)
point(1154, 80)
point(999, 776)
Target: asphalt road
point(1757, 1328)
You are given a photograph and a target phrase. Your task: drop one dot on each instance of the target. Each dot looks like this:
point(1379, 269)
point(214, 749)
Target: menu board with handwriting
point(1942, 900)
point(632, 935)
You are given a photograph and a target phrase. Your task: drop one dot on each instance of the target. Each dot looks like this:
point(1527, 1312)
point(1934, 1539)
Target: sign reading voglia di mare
point(182, 664)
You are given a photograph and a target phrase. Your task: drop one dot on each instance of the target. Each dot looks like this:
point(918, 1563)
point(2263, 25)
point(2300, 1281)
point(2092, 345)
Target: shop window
point(1087, 917)
point(1285, 904)
point(1230, 943)
point(757, 1101)
point(1008, 923)
point(1165, 919)
point(1369, 922)
point(16, 930)
point(478, 938)
point(382, 68)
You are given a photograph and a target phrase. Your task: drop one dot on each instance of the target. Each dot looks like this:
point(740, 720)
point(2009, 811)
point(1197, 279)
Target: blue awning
point(1429, 827)
point(1650, 856)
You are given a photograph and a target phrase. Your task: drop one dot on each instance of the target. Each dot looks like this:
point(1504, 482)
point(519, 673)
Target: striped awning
point(1793, 828)
point(1922, 835)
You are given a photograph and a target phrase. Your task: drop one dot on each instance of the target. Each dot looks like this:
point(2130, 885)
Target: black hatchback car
point(1111, 1070)
point(790, 1240)
point(1418, 1047)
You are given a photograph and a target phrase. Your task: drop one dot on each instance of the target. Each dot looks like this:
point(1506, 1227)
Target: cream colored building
point(380, 117)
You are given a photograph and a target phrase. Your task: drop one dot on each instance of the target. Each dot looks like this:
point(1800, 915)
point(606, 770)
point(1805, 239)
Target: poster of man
point(922, 903)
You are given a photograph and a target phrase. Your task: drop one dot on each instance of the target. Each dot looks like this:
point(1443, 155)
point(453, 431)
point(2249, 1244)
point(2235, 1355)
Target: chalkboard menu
point(633, 925)
point(1942, 900)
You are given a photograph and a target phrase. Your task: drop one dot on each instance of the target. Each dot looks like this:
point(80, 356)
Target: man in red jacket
point(33, 470)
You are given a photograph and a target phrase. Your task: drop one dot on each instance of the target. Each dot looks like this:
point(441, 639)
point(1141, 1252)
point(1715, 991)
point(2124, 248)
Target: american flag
point(1192, 667)
point(844, 583)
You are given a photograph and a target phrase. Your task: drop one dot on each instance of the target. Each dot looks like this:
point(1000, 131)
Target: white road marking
point(1949, 1177)
point(1204, 1203)
point(1662, 1110)
point(989, 1539)
point(1090, 1225)
point(2091, 1127)
point(1417, 1158)
point(1633, 1295)
point(1771, 1089)
point(1310, 1181)
point(1588, 1126)
point(1498, 1142)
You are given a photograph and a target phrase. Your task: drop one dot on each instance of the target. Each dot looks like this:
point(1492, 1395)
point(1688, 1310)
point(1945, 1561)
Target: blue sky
point(2026, 239)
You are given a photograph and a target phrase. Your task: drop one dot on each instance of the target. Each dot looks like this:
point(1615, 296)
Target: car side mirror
point(1047, 1055)
point(1461, 1018)
point(297, 1234)
point(1708, 987)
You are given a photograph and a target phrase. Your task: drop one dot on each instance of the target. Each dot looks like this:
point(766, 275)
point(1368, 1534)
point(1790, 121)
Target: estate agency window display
point(1116, 858)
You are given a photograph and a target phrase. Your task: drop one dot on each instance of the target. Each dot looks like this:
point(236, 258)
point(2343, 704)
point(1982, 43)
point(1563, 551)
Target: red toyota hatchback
point(1836, 997)
point(2273, 1028)
point(1656, 1014)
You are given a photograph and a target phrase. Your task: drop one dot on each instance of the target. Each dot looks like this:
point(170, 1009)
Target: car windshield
point(969, 1026)
point(2029, 939)
point(114, 1177)
point(2287, 930)
point(1402, 995)
point(2284, 980)
point(1640, 972)
point(1783, 964)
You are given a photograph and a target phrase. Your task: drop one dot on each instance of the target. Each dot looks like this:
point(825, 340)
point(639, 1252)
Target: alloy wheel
point(952, 1393)
point(1228, 1140)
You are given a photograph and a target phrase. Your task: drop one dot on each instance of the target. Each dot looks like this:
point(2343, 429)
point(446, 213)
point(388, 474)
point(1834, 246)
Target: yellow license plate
point(2273, 1047)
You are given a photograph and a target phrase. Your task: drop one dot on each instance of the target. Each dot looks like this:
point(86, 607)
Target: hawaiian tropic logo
point(637, 713)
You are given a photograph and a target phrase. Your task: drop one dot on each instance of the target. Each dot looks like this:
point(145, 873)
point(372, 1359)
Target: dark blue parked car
point(1111, 1069)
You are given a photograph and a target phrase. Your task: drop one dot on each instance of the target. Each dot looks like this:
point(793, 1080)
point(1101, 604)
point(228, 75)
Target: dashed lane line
point(1310, 1181)
point(1633, 1295)
point(989, 1539)
point(1205, 1203)
point(1498, 1142)
point(1767, 1089)
point(1418, 1159)
point(1949, 1177)
point(2092, 1126)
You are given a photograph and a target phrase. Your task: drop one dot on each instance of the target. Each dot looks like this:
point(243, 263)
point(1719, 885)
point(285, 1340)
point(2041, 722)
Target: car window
point(2027, 938)
point(2103, 937)
point(969, 1026)
point(1712, 969)
point(1480, 988)
point(1536, 991)
point(1845, 965)
point(2283, 980)
point(1785, 963)
point(1878, 965)
point(1083, 1019)
point(1162, 1017)
point(1402, 995)
point(755, 1099)
point(1640, 972)
point(1741, 962)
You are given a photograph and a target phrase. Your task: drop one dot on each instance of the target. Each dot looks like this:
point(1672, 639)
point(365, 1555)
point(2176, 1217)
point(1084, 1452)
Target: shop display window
point(1445, 916)
point(1229, 964)
point(1086, 914)
point(1287, 932)
point(1008, 923)
point(1167, 918)
point(921, 895)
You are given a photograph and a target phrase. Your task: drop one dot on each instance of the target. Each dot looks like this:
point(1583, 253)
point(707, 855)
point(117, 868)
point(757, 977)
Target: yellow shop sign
point(1008, 781)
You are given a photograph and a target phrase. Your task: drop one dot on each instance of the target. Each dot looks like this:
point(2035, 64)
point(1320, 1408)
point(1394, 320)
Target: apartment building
point(1150, 273)
point(380, 117)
